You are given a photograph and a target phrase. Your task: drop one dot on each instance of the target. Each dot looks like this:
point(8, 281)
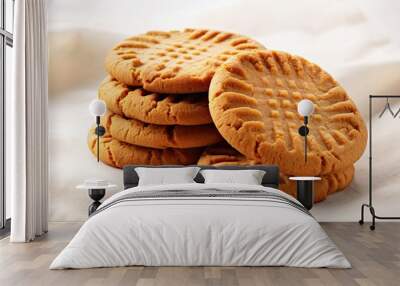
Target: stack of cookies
point(157, 96)
point(217, 98)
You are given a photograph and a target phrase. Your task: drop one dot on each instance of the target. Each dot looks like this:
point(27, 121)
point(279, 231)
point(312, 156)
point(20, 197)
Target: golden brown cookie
point(135, 132)
point(175, 61)
point(150, 107)
point(222, 154)
point(253, 102)
point(118, 154)
point(328, 184)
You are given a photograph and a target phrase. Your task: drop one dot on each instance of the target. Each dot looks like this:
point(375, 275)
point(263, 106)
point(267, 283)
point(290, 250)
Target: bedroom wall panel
point(340, 36)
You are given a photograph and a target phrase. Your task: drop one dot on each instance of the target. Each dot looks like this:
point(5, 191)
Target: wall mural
point(218, 82)
point(200, 96)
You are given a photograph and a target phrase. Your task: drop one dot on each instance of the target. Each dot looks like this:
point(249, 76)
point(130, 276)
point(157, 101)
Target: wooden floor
point(375, 257)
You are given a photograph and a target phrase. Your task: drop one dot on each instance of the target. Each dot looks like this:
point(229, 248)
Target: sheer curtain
point(27, 148)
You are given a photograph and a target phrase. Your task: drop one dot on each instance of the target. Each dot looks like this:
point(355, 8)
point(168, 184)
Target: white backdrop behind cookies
point(356, 41)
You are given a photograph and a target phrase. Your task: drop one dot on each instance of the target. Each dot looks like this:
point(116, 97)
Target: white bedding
point(200, 231)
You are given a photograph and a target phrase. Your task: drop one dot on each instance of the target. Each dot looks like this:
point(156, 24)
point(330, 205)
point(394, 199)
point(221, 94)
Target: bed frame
point(271, 177)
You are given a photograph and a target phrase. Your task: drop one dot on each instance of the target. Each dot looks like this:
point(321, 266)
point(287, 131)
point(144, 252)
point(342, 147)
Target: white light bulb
point(305, 107)
point(97, 107)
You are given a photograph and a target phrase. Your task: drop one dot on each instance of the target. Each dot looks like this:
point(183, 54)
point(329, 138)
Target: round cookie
point(253, 102)
point(135, 132)
point(222, 154)
point(154, 108)
point(118, 154)
point(175, 61)
point(328, 184)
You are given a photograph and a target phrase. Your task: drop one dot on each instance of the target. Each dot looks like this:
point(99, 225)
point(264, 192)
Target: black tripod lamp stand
point(98, 108)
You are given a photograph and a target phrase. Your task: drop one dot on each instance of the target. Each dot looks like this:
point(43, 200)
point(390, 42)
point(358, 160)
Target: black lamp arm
point(99, 131)
point(303, 131)
point(305, 138)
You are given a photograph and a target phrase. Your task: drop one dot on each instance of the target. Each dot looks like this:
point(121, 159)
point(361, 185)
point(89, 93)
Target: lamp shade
point(97, 107)
point(305, 107)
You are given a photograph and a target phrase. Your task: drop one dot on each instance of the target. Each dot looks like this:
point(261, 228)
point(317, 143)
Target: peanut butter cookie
point(175, 61)
point(135, 132)
point(154, 108)
point(253, 102)
point(224, 155)
point(329, 184)
point(118, 154)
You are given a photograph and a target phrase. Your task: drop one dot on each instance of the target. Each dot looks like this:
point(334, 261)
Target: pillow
point(248, 177)
point(165, 176)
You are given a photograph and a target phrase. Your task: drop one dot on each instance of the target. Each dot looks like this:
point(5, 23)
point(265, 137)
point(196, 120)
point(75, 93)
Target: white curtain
point(27, 147)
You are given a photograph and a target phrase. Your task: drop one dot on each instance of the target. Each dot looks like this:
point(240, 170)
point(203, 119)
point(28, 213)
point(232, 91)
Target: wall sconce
point(305, 185)
point(97, 108)
point(305, 108)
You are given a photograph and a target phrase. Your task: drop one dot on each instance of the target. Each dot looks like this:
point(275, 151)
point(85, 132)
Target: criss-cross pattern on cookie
point(253, 102)
point(175, 61)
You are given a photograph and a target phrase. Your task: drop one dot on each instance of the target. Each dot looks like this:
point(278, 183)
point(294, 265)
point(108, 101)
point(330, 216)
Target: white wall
point(356, 41)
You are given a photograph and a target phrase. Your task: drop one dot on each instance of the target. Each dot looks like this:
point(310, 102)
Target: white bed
point(185, 230)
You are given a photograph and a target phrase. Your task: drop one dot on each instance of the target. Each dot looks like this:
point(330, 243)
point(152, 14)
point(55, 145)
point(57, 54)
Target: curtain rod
point(384, 96)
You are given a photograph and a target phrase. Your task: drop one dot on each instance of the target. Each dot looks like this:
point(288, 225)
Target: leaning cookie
point(135, 132)
point(154, 108)
point(118, 154)
point(224, 155)
point(328, 184)
point(175, 61)
point(253, 102)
